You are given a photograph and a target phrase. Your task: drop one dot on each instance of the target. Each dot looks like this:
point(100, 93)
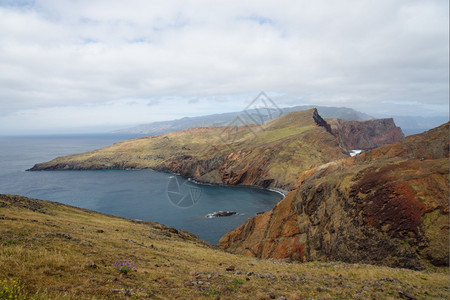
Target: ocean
point(137, 194)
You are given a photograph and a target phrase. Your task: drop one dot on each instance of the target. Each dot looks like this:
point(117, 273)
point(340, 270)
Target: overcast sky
point(68, 66)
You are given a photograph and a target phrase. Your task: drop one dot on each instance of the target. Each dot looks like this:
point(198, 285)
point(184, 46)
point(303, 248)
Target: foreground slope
point(386, 206)
point(53, 251)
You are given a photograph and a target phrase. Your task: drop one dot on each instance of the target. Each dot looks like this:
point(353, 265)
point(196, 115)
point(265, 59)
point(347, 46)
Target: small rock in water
point(221, 213)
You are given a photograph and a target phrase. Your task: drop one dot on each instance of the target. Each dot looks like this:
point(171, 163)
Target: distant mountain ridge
point(418, 124)
point(251, 116)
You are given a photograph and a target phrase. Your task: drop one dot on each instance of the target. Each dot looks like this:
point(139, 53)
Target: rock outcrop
point(367, 134)
point(386, 206)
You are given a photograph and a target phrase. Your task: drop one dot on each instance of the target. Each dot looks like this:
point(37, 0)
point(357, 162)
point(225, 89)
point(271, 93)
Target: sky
point(100, 65)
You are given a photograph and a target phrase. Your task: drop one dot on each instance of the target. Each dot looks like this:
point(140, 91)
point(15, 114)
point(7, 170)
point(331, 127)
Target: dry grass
point(61, 252)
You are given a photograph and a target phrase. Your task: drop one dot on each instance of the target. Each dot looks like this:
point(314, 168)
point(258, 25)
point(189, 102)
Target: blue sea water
point(138, 194)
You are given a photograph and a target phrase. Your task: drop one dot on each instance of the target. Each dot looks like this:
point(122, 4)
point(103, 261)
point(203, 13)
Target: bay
point(137, 194)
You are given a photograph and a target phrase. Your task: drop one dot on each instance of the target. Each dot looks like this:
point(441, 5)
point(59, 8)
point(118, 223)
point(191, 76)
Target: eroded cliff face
point(388, 206)
point(270, 155)
point(367, 134)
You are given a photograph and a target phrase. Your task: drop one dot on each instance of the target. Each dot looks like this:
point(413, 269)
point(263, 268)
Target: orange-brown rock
point(387, 206)
point(367, 134)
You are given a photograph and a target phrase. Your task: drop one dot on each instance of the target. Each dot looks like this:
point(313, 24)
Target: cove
point(137, 194)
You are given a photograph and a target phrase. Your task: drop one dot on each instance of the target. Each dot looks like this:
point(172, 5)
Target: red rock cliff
point(388, 206)
point(365, 135)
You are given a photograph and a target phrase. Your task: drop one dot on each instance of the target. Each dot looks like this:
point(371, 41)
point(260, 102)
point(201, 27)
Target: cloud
point(153, 102)
point(56, 54)
point(193, 100)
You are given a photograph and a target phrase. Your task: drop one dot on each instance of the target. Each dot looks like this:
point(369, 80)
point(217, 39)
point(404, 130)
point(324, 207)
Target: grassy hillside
point(53, 251)
point(271, 155)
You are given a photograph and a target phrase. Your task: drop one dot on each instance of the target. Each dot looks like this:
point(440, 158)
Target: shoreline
point(279, 191)
point(275, 190)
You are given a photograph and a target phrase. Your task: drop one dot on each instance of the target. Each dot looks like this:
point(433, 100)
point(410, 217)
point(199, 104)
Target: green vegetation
point(11, 289)
point(272, 135)
point(433, 223)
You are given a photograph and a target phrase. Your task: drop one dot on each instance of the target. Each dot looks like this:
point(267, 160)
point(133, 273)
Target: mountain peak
point(298, 118)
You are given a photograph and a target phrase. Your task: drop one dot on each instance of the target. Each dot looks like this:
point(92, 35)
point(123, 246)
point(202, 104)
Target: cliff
point(269, 155)
point(386, 206)
point(367, 134)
